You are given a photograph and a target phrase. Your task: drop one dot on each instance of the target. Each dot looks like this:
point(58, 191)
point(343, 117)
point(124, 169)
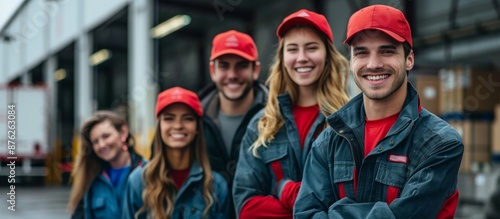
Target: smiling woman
point(106, 159)
point(180, 161)
point(307, 82)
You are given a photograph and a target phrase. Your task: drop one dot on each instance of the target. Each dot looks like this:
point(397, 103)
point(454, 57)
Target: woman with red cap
point(178, 181)
point(307, 82)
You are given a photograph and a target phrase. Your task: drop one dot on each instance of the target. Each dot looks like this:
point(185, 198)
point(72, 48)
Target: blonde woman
point(101, 170)
point(178, 181)
point(307, 82)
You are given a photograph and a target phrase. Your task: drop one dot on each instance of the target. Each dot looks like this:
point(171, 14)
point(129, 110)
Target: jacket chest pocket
point(391, 178)
point(274, 156)
point(99, 208)
point(391, 174)
point(343, 178)
point(343, 171)
point(272, 153)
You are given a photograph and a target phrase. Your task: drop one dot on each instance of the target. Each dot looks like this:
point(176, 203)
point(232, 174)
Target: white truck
point(24, 132)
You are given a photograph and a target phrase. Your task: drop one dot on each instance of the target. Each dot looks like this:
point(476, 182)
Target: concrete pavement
point(32, 202)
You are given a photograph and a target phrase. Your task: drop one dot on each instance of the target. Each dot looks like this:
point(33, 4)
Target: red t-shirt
point(375, 130)
point(304, 119)
point(179, 176)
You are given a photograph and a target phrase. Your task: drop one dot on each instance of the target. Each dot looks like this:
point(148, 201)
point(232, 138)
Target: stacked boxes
point(466, 90)
point(428, 87)
point(461, 126)
point(495, 134)
point(477, 145)
point(466, 98)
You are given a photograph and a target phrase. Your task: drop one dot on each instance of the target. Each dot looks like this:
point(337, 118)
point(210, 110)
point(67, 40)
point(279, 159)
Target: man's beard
point(246, 91)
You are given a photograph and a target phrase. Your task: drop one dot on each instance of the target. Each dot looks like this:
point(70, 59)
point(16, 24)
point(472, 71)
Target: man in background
point(232, 100)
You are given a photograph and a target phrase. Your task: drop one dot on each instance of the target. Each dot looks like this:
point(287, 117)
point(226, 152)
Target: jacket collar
point(195, 175)
point(285, 103)
point(352, 114)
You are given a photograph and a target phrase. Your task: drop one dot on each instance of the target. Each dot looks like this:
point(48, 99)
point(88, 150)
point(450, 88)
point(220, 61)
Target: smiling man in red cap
point(232, 100)
point(383, 156)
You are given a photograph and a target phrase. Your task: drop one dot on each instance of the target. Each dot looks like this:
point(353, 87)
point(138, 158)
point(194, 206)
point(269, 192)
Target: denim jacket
point(254, 175)
point(189, 202)
point(419, 158)
point(103, 200)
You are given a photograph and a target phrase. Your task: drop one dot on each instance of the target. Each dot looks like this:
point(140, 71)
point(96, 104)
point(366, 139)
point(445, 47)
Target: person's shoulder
point(260, 87)
point(207, 94)
point(207, 90)
point(220, 183)
point(135, 177)
point(439, 127)
point(324, 137)
point(255, 118)
point(218, 178)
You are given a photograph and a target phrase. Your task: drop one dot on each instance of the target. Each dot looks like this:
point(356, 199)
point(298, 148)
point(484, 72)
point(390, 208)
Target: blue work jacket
point(419, 157)
point(254, 175)
point(102, 200)
point(189, 202)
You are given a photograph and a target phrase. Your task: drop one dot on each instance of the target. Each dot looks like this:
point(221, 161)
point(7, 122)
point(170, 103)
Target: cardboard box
point(428, 87)
point(447, 87)
point(481, 134)
point(495, 132)
point(476, 139)
point(461, 128)
point(480, 143)
point(464, 89)
point(481, 90)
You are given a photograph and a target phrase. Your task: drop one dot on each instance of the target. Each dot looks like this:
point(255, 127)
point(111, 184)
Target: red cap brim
point(233, 52)
point(388, 32)
point(285, 26)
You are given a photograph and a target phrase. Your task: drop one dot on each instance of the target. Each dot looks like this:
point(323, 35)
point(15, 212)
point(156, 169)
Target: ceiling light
point(99, 57)
point(169, 26)
point(60, 74)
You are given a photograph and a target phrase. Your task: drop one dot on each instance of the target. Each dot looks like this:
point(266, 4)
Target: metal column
point(142, 85)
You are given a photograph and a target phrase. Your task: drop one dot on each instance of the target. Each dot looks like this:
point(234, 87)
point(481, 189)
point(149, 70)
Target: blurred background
point(61, 60)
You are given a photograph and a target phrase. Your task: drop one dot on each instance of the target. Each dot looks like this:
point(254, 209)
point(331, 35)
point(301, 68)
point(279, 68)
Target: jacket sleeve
point(316, 193)
point(288, 193)
point(265, 207)
point(133, 194)
point(253, 180)
point(428, 188)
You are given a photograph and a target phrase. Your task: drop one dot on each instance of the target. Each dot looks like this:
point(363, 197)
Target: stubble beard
point(396, 86)
point(244, 94)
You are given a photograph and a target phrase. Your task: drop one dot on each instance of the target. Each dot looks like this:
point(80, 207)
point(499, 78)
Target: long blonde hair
point(331, 91)
point(87, 164)
point(160, 190)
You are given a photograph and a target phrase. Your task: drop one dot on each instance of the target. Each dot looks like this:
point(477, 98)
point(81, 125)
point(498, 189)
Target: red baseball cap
point(383, 18)
point(306, 17)
point(236, 43)
point(178, 95)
